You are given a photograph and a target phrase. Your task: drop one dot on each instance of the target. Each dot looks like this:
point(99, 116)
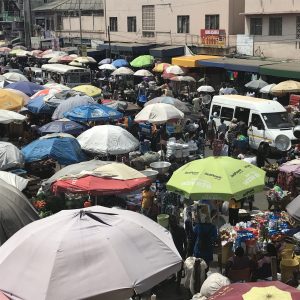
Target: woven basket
point(288, 266)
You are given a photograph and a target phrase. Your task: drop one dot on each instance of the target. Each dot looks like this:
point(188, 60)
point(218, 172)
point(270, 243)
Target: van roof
point(263, 105)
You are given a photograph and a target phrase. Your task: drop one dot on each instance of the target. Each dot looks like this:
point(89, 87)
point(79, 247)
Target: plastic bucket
point(163, 220)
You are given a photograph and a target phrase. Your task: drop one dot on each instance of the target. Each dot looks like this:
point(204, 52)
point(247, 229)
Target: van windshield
point(278, 120)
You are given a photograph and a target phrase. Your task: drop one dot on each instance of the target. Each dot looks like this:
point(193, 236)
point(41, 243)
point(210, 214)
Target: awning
point(71, 5)
point(288, 70)
point(191, 61)
point(167, 51)
point(236, 64)
point(134, 49)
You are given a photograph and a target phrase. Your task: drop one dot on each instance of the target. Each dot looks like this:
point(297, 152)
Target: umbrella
point(54, 59)
point(71, 103)
point(118, 63)
point(159, 113)
point(160, 68)
point(205, 89)
point(93, 113)
point(142, 61)
point(264, 290)
point(10, 100)
point(46, 92)
point(284, 87)
point(16, 52)
point(88, 89)
point(105, 61)
point(121, 105)
point(52, 54)
point(16, 211)
point(39, 106)
point(293, 208)
point(108, 67)
point(183, 79)
point(4, 50)
point(16, 181)
point(56, 85)
point(267, 89)
point(10, 156)
point(217, 178)
point(19, 47)
point(21, 53)
point(13, 76)
point(122, 71)
point(143, 73)
point(66, 58)
point(108, 139)
point(4, 82)
point(7, 117)
point(166, 75)
point(90, 253)
point(256, 84)
point(60, 97)
point(291, 166)
point(36, 53)
point(21, 94)
point(75, 64)
point(63, 148)
point(229, 91)
point(62, 125)
point(28, 88)
point(85, 60)
point(170, 100)
point(176, 70)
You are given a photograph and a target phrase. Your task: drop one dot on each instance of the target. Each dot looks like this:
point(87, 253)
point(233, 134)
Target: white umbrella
point(123, 71)
point(7, 116)
point(108, 139)
point(159, 113)
point(17, 181)
point(54, 59)
point(183, 78)
point(54, 54)
point(13, 76)
point(205, 89)
point(267, 89)
point(55, 85)
point(143, 73)
point(85, 60)
point(256, 84)
point(10, 156)
point(176, 70)
point(107, 67)
point(92, 253)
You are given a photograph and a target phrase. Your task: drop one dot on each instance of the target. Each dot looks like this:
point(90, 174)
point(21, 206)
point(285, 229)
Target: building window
point(256, 26)
point(298, 27)
point(275, 26)
point(212, 22)
point(183, 24)
point(113, 24)
point(131, 24)
point(148, 20)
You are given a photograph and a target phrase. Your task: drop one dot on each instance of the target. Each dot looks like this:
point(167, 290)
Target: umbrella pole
point(96, 200)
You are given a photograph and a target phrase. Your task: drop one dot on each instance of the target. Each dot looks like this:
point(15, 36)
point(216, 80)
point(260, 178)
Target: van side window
point(242, 114)
point(227, 113)
point(216, 109)
point(256, 120)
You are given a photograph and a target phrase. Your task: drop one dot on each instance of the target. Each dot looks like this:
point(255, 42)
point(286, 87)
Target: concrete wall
point(272, 6)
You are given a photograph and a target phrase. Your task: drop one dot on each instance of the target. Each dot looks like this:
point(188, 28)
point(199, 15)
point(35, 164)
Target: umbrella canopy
point(84, 249)
point(170, 100)
point(39, 106)
point(36, 53)
point(24, 96)
point(143, 73)
point(108, 139)
point(21, 53)
point(46, 92)
point(16, 181)
point(123, 71)
point(229, 91)
point(56, 85)
point(159, 113)
point(64, 149)
point(28, 88)
point(88, 89)
point(108, 67)
point(142, 61)
point(93, 112)
point(263, 290)
point(4, 50)
point(52, 54)
point(55, 59)
point(217, 178)
point(256, 84)
point(19, 47)
point(105, 61)
point(17, 52)
point(85, 60)
point(10, 156)
point(62, 125)
point(293, 208)
point(60, 97)
point(66, 58)
point(176, 70)
point(13, 76)
point(7, 117)
point(267, 89)
point(118, 63)
point(183, 79)
point(10, 100)
point(4, 82)
point(160, 68)
point(71, 103)
point(205, 89)
point(284, 87)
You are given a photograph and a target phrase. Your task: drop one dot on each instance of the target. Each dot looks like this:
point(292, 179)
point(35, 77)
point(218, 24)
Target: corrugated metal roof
point(72, 5)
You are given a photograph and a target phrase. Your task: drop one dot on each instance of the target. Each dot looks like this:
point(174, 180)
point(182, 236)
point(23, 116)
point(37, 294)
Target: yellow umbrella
point(10, 100)
point(267, 293)
point(284, 87)
point(159, 68)
point(88, 89)
point(85, 60)
point(17, 52)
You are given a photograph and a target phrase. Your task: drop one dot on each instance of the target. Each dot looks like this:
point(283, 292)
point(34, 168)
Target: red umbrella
point(2, 296)
point(66, 59)
point(99, 185)
point(237, 290)
point(166, 75)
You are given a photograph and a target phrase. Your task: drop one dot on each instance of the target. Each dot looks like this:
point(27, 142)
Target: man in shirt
point(147, 201)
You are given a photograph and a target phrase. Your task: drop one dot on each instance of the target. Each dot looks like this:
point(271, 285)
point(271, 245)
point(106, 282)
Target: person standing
point(147, 201)
point(211, 131)
point(234, 207)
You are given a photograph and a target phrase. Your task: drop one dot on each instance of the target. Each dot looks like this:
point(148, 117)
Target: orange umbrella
point(10, 100)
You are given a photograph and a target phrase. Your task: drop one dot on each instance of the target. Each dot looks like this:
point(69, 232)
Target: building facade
point(272, 28)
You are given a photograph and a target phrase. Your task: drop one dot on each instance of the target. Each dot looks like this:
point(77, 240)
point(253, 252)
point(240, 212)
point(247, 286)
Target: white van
point(267, 120)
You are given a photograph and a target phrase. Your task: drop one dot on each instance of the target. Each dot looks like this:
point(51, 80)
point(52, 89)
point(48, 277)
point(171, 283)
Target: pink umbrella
point(66, 59)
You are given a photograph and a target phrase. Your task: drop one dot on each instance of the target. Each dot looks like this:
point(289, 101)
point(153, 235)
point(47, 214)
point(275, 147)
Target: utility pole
point(109, 45)
point(27, 22)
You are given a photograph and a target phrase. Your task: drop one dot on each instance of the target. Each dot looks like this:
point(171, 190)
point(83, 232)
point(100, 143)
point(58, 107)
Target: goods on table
point(271, 170)
point(277, 197)
point(180, 149)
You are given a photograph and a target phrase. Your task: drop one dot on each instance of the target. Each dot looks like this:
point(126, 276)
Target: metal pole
point(27, 22)
point(105, 16)
point(80, 25)
point(109, 45)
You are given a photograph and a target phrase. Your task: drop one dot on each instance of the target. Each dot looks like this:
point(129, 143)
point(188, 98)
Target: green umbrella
point(142, 61)
point(218, 178)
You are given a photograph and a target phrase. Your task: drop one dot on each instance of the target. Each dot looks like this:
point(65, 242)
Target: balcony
point(10, 17)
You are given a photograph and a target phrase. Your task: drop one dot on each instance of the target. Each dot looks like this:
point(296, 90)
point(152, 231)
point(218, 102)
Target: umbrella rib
point(90, 214)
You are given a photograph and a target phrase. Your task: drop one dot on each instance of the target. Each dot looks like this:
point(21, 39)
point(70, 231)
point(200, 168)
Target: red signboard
point(213, 37)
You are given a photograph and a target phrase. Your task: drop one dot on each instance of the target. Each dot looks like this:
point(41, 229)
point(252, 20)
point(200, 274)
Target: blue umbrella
point(105, 61)
point(27, 87)
point(93, 112)
point(118, 63)
point(62, 125)
point(38, 106)
point(65, 149)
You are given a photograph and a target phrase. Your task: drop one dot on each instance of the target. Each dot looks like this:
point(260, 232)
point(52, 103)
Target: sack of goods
point(178, 150)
